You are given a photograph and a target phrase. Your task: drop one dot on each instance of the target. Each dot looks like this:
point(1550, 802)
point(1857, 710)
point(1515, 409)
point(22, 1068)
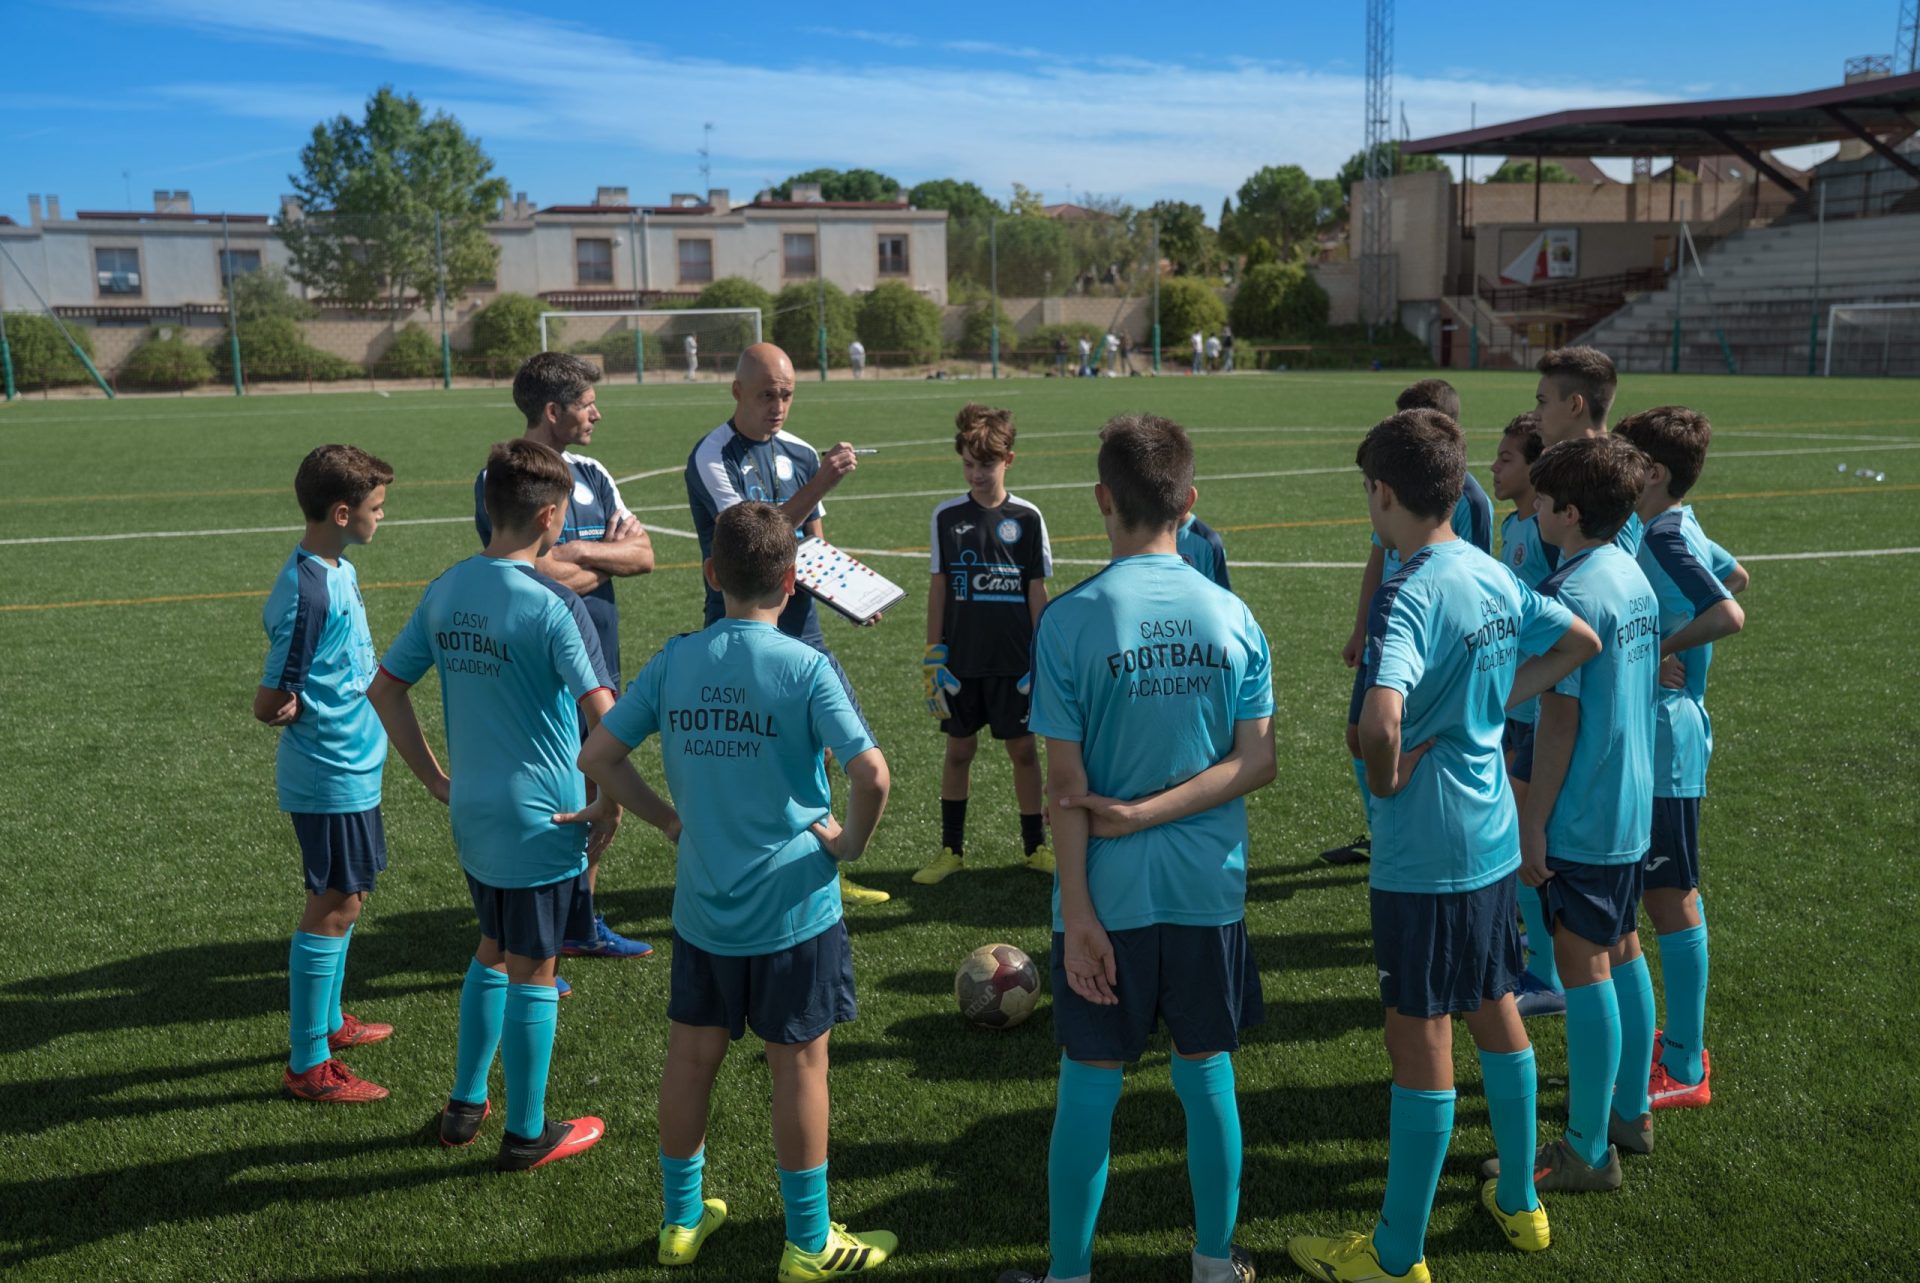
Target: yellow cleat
point(843, 1254)
point(1525, 1230)
point(1041, 861)
point(680, 1244)
point(1348, 1258)
point(852, 892)
point(947, 863)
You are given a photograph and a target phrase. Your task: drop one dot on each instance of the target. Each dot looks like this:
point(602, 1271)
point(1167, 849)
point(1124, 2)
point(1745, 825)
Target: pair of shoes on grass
point(843, 1253)
point(460, 1124)
point(330, 1081)
point(950, 862)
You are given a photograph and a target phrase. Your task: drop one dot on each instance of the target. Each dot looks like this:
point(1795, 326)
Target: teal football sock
point(1683, 974)
point(680, 1184)
point(1593, 1058)
point(526, 1051)
point(804, 1195)
point(311, 961)
point(1539, 939)
point(1511, 1082)
point(1416, 1147)
point(1206, 1092)
point(483, 1010)
point(334, 1020)
point(1633, 993)
point(1077, 1163)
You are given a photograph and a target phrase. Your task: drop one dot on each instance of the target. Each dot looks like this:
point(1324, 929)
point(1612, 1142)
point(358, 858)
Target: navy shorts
point(344, 853)
point(1673, 861)
point(530, 922)
point(1202, 981)
point(788, 997)
point(1597, 902)
point(1510, 734)
point(1522, 768)
point(994, 702)
point(1358, 699)
point(1442, 953)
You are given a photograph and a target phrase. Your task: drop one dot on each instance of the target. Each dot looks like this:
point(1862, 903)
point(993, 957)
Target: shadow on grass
point(44, 1215)
point(45, 1103)
point(226, 981)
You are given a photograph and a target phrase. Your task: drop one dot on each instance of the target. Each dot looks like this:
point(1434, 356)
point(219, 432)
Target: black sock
point(953, 824)
point(1033, 833)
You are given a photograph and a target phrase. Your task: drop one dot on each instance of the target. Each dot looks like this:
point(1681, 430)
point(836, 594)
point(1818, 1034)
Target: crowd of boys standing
point(1529, 735)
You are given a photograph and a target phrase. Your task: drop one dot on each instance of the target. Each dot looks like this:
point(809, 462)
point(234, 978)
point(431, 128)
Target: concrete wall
point(1341, 281)
point(1563, 203)
point(179, 262)
point(1421, 232)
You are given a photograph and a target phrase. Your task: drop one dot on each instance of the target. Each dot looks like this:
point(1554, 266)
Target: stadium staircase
point(1754, 308)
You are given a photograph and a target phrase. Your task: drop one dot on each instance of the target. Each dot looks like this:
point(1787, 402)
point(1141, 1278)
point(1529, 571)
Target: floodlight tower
point(1906, 39)
point(1376, 232)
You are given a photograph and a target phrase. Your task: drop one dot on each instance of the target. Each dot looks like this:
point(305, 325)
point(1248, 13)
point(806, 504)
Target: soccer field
point(150, 883)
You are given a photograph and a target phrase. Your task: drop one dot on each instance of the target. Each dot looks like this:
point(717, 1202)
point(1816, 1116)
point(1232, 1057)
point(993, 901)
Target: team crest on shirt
point(1520, 554)
point(1008, 530)
point(582, 493)
point(783, 468)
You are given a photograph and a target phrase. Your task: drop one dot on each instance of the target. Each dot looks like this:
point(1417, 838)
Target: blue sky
point(1116, 98)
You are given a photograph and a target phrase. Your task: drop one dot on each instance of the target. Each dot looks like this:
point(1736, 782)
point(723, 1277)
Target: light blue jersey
point(1626, 539)
point(1604, 814)
point(1472, 522)
point(1149, 665)
point(743, 713)
point(319, 648)
point(516, 654)
point(1201, 547)
point(1448, 632)
point(1522, 552)
point(1678, 560)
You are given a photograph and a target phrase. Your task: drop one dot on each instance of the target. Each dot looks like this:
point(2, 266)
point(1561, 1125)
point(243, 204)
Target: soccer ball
point(996, 986)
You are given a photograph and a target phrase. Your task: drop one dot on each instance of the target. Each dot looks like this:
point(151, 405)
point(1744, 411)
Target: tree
point(796, 323)
point(847, 184)
point(170, 362)
point(1188, 307)
point(1280, 300)
point(1035, 255)
point(1229, 234)
point(507, 330)
point(1279, 203)
point(896, 319)
point(733, 334)
point(1185, 239)
point(976, 328)
point(1027, 202)
point(371, 190)
point(1521, 171)
point(959, 199)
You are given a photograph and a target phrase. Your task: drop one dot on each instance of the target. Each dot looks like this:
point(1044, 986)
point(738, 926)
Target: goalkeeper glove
point(937, 682)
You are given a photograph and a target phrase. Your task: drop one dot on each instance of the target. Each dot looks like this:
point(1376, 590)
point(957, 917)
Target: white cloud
point(1188, 130)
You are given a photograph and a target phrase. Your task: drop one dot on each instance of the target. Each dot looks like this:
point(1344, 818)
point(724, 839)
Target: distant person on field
point(1086, 357)
point(1472, 521)
point(1126, 353)
point(990, 562)
point(1060, 355)
point(332, 749)
point(857, 357)
point(1443, 663)
point(1226, 348)
point(1112, 353)
point(1199, 350)
point(752, 457)
point(1213, 352)
point(1149, 761)
point(520, 670)
point(745, 716)
point(600, 541)
point(691, 346)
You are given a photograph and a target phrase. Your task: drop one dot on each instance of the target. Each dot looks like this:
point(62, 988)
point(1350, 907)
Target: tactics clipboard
point(843, 582)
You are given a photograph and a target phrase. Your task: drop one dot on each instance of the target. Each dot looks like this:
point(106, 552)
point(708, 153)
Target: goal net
point(662, 343)
point(1873, 339)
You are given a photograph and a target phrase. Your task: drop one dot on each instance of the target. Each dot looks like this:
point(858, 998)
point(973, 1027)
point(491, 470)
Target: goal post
point(717, 333)
point(1873, 339)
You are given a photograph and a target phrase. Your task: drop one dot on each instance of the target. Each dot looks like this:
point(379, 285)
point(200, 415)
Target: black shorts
point(788, 997)
point(1522, 768)
point(1202, 981)
point(1600, 903)
point(994, 702)
point(341, 852)
point(1673, 861)
point(530, 922)
point(1447, 952)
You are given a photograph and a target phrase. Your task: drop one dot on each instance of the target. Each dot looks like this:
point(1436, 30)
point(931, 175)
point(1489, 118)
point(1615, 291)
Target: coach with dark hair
point(600, 541)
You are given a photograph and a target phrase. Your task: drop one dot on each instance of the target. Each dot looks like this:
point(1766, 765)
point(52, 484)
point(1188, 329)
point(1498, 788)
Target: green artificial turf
point(150, 884)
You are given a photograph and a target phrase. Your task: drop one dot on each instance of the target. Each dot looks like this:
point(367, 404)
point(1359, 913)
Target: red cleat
point(1668, 1092)
point(331, 1082)
point(354, 1031)
point(560, 1140)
